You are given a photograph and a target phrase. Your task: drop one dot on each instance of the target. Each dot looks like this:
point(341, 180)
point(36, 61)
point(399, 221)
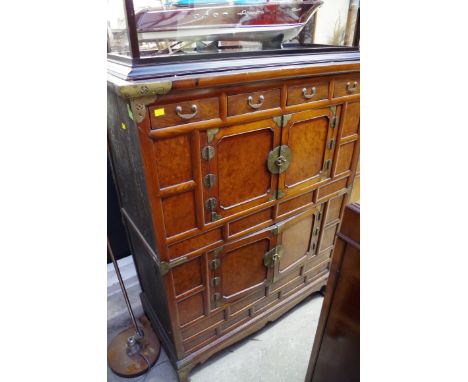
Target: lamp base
point(126, 365)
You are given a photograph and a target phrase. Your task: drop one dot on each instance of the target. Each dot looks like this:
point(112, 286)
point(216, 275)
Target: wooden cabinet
point(232, 188)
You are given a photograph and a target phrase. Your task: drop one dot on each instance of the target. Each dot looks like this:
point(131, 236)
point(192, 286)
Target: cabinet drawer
point(255, 101)
point(347, 86)
point(308, 92)
point(184, 112)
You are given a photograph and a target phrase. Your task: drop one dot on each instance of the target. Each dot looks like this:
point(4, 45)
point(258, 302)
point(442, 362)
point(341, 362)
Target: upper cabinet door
point(307, 145)
point(234, 170)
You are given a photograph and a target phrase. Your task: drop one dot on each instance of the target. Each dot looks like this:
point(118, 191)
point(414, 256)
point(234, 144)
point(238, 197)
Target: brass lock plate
point(273, 256)
point(279, 159)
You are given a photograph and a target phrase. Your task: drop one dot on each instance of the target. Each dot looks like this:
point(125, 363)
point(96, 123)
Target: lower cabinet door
point(239, 268)
point(297, 241)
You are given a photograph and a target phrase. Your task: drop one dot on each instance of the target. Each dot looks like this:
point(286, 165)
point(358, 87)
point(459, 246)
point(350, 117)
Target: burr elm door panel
point(310, 137)
point(297, 240)
point(238, 268)
point(234, 168)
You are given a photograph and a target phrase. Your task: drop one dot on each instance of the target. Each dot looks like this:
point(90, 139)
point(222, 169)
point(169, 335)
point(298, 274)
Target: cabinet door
point(308, 138)
point(297, 240)
point(234, 171)
point(238, 268)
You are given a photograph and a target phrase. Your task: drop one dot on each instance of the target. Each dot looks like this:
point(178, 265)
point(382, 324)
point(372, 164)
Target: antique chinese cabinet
point(234, 162)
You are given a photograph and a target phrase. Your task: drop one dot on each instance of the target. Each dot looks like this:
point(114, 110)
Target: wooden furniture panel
point(335, 353)
point(264, 217)
point(308, 92)
point(310, 137)
point(230, 230)
point(253, 102)
point(296, 204)
point(191, 308)
point(345, 157)
point(185, 112)
point(238, 167)
point(332, 189)
point(347, 86)
point(351, 120)
point(240, 269)
point(178, 170)
point(196, 243)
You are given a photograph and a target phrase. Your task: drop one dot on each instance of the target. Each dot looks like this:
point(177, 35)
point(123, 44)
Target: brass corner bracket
point(143, 94)
point(145, 89)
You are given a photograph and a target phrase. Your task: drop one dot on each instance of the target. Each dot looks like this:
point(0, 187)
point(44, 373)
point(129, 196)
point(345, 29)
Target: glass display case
point(149, 31)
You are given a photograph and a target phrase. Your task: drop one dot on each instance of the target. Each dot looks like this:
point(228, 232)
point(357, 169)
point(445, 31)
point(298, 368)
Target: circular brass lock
point(279, 159)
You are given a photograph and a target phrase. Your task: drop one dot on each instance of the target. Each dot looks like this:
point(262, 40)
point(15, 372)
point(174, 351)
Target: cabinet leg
point(183, 373)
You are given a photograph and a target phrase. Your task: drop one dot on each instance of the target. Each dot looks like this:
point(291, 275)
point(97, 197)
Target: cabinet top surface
point(159, 79)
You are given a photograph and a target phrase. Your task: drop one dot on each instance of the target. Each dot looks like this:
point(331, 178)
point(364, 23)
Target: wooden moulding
point(142, 93)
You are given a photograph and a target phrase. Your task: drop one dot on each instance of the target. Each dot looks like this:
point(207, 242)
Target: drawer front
point(252, 102)
point(347, 87)
point(312, 91)
point(184, 112)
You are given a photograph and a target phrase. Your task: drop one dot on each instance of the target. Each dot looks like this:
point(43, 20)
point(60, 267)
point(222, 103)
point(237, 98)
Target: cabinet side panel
point(128, 165)
point(152, 284)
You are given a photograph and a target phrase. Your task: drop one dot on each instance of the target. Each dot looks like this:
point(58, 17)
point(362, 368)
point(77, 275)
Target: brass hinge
point(166, 266)
point(334, 121)
point(208, 152)
point(216, 299)
point(209, 180)
point(331, 144)
point(273, 256)
point(328, 164)
point(211, 203)
point(215, 281)
point(214, 264)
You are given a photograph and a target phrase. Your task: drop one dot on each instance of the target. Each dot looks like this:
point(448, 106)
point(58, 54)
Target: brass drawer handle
point(352, 88)
point(258, 105)
point(178, 110)
point(313, 91)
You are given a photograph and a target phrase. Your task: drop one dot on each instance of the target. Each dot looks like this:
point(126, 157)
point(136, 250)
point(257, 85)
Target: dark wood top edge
point(164, 70)
point(304, 66)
